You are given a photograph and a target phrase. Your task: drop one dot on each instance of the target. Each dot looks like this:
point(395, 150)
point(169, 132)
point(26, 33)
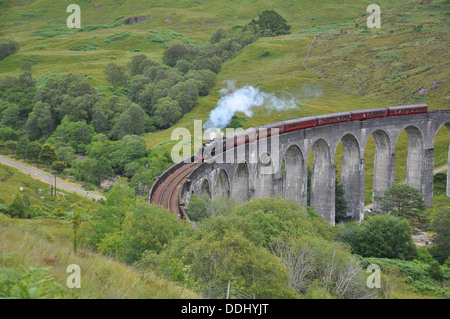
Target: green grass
point(11, 180)
point(46, 243)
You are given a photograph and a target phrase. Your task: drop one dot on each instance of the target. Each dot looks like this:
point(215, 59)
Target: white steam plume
point(242, 99)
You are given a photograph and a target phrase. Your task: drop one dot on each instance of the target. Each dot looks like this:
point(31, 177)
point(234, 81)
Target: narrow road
point(38, 174)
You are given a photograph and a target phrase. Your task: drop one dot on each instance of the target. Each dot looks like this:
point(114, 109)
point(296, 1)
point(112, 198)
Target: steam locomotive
point(234, 140)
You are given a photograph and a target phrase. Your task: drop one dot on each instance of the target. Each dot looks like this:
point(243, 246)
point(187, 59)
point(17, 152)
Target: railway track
point(166, 193)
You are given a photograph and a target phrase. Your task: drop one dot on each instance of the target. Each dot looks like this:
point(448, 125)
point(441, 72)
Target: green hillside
point(329, 62)
point(349, 66)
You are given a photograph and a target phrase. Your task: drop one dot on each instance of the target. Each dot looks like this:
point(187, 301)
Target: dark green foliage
point(205, 78)
point(167, 112)
point(101, 169)
point(404, 200)
point(179, 51)
point(116, 75)
point(270, 20)
point(47, 155)
point(341, 205)
point(116, 37)
point(33, 151)
point(139, 63)
point(40, 122)
point(85, 47)
point(435, 271)
point(384, 236)
point(18, 208)
point(147, 227)
point(11, 117)
point(441, 226)
point(58, 167)
point(9, 134)
point(7, 47)
point(237, 122)
point(74, 134)
point(130, 122)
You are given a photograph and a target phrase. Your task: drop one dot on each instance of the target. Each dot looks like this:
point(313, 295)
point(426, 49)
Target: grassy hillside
point(11, 180)
point(45, 244)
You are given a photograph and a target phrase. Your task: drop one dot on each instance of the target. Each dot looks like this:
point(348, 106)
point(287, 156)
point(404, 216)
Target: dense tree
point(205, 78)
point(167, 112)
point(139, 63)
point(75, 134)
point(213, 64)
point(130, 122)
point(48, 155)
point(7, 133)
point(7, 47)
point(116, 75)
point(404, 200)
point(102, 169)
point(441, 226)
point(40, 122)
point(99, 120)
point(66, 154)
point(384, 236)
point(21, 148)
point(11, 117)
point(341, 205)
point(179, 51)
point(11, 145)
point(18, 208)
point(33, 150)
point(271, 20)
point(147, 227)
point(219, 35)
point(130, 148)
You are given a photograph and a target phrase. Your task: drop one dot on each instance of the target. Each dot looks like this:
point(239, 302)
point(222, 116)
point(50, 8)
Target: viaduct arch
point(287, 164)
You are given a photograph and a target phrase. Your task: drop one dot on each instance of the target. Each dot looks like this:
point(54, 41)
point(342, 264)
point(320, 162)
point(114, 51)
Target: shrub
point(7, 47)
point(117, 37)
point(435, 271)
point(384, 236)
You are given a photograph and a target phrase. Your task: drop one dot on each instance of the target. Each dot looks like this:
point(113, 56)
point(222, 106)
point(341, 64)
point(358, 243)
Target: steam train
point(264, 131)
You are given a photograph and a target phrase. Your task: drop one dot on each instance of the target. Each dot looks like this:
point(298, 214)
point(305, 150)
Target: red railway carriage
point(299, 124)
point(266, 130)
point(334, 118)
point(407, 109)
point(369, 114)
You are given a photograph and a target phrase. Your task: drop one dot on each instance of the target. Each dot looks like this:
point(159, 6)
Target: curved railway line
point(166, 194)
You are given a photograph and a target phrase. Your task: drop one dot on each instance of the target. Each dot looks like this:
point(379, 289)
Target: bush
point(384, 236)
point(116, 37)
point(4, 209)
point(435, 271)
point(7, 47)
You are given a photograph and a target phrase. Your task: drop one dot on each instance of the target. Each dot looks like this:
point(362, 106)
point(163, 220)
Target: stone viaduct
point(245, 179)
